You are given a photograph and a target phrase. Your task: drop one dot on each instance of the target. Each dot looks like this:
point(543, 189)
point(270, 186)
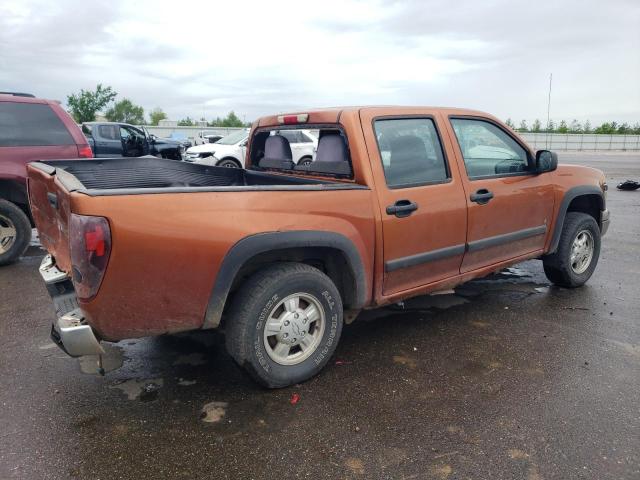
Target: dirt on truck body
point(399, 202)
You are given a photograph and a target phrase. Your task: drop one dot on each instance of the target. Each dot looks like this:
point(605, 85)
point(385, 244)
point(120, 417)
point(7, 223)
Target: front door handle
point(402, 208)
point(482, 196)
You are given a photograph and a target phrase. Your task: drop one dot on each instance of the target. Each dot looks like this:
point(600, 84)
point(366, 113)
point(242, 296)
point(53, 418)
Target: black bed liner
point(121, 176)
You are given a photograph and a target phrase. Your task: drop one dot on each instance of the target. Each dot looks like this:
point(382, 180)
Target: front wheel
point(15, 232)
point(228, 163)
point(284, 324)
point(577, 254)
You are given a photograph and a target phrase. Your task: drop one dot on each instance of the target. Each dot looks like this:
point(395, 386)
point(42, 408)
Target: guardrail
point(584, 142)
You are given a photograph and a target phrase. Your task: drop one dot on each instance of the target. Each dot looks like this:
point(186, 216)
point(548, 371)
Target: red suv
point(30, 129)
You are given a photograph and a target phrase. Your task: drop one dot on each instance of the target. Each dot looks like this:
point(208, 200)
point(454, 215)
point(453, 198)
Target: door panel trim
point(506, 238)
point(424, 257)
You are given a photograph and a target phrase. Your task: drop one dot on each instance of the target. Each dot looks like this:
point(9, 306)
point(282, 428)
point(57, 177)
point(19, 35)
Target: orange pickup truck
point(398, 202)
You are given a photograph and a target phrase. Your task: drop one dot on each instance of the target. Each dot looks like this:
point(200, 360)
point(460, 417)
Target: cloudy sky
point(257, 57)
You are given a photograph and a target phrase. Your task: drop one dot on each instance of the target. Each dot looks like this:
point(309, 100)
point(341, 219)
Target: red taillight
point(94, 241)
point(84, 151)
point(293, 119)
point(90, 246)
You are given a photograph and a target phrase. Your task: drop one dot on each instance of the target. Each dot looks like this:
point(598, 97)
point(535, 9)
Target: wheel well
point(332, 261)
point(232, 159)
point(15, 193)
point(589, 204)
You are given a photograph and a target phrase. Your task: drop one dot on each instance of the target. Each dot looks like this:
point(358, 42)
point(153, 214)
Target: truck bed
point(119, 176)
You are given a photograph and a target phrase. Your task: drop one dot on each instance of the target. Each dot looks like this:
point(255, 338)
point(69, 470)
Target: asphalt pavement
point(508, 378)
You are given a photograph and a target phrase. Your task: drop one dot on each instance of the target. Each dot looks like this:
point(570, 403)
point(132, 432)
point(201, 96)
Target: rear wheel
point(15, 232)
point(284, 324)
point(578, 252)
point(305, 162)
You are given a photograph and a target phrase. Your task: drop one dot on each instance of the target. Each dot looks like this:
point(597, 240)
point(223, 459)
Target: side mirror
point(546, 161)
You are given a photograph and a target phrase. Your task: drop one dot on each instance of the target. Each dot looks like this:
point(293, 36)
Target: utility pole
point(546, 141)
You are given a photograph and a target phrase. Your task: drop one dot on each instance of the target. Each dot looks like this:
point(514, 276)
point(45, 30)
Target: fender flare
point(253, 245)
point(568, 197)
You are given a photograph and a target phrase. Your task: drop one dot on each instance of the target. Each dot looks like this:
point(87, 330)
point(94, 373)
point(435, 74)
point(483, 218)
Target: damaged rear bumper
point(69, 330)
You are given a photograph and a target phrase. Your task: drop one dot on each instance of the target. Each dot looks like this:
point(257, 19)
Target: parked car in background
point(228, 151)
point(397, 203)
point(207, 137)
point(30, 129)
point(179, 137)
point(114, 139)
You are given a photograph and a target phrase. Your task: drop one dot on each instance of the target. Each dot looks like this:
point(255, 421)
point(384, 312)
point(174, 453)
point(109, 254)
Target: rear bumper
point(69, 330)
point(604, 222)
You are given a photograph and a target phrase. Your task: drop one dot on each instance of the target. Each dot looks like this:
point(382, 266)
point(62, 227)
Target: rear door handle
point(482, 196)
point(402, 208)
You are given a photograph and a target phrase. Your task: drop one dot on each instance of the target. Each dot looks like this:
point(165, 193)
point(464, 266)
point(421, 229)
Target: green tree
point(636, 128)
point(186, 122)
point(575, 126)
point(537, 126)
point(587, 127)
point(607, 128)
point(509, 123)
point(84, 105)
point(625, 128)
point(563, 128)
point(156, 115)
point(126, 111)
point(523, 126)
point(231, 120)
point(551, 126)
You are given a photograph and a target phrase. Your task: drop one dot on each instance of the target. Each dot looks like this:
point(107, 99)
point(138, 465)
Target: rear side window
point(411, 152)
point(31, 124)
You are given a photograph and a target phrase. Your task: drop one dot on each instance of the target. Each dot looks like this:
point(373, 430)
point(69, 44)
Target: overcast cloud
point(206, 58)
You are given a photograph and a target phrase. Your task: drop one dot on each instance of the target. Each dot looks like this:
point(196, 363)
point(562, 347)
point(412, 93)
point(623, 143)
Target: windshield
point(233, 138)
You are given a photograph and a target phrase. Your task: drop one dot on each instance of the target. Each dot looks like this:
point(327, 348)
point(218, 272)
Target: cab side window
point(488, 150)
point(411, 152)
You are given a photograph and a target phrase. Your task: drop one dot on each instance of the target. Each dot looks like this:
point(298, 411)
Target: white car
point(229, 151)
point(303, 145)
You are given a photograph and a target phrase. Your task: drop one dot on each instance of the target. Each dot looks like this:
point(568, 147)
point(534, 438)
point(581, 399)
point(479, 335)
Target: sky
point(205, 58)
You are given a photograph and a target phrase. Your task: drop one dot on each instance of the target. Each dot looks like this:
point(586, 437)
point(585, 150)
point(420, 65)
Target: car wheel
point(284, 324)
point(578, 252)
point(15, 232)
point(228, 163)
point(305, 162)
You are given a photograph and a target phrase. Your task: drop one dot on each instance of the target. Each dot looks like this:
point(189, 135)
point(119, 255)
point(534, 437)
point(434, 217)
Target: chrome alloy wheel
point(294, 328)
point(7, 234)
point(582, 251)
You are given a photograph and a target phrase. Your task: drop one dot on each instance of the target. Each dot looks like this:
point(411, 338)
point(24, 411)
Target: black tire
point(305, 161)
point(228, 163)
point(251, 308)
point(558, 266)
point(13, 217)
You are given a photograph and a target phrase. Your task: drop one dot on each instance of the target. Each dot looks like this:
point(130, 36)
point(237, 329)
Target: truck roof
point(332, 114)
